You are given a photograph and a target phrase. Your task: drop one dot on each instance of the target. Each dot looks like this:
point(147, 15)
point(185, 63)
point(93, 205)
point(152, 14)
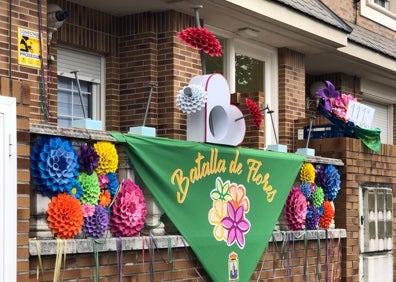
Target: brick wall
point(360, 165)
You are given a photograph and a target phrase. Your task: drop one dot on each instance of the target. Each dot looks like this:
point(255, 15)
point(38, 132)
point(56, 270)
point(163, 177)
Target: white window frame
point(98, 101)
point(378, 14)
point(269, 55)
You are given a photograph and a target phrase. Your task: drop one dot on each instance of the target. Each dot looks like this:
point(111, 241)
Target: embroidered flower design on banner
point(230, 205)
point(236, 224)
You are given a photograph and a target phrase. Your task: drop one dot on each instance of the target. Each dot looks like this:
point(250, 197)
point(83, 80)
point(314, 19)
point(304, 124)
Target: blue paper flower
point(96, 225)
point(53, 165)
point(305, 188)
point(329, 179)
point(75, 189)
point(312, 218)
point(113, 183)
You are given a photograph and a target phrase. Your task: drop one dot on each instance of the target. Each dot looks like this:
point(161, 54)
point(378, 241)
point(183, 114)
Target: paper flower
point(87, 159)
point(340, 105)
point(112, 186)
point(312, 218)
point(329, 179)
point(53, 165)
point(91, 188)
point(236, 224)
point(88, 210)
point(328, 93)
point(128, 211)
point(317, 197)
point(201, 39)
point(191, 98)
point(295, 209)
point(255, 112)
point(65, 216)
point(328, 215)
point(306, 189)
point(108, 157)
point(104, 198)
point(307, 173)
point(103, 181)
point(96, 225)
point(75, 189)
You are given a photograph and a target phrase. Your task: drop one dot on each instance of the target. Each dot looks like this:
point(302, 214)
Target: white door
point(8, 189)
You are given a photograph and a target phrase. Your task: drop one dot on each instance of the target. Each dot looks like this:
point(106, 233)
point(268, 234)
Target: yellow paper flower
point(108, 157)
point(307, 173)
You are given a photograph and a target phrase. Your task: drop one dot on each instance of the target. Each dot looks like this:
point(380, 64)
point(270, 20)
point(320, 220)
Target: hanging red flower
point(201, 39)
point(255, 112)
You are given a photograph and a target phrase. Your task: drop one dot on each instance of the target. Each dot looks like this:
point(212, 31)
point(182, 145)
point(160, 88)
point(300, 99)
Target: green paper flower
point(318, 197)
point(91, 187)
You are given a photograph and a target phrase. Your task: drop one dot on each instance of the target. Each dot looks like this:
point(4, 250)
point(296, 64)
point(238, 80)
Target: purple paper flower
point(236, 224)
point(87, 158)
point(53, 165)
point(96, 225)
point(312, 219)
point(328, 93)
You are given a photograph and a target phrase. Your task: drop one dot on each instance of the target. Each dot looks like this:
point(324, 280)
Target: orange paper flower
point(65, 216)
point(327, 216)
point(105, 198)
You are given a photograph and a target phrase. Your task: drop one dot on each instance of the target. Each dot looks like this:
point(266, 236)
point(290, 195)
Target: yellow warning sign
point(29, 48)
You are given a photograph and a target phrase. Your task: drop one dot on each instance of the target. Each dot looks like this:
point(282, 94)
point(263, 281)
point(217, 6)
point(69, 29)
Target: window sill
point(80, 246)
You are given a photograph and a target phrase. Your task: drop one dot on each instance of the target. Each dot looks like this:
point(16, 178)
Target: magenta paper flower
point(340, 105)
point(236, 224)
point(103, 181)
point(295, 209)
point(201, 39)
point(88, 210)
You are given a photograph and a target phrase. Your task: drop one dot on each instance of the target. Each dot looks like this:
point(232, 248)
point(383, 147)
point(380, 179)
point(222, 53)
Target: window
point(380, 11)
point(248, 67)
point(90, 72)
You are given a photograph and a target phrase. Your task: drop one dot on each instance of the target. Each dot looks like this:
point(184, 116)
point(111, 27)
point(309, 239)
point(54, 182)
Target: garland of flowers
point(82, 186)
point(310, 204)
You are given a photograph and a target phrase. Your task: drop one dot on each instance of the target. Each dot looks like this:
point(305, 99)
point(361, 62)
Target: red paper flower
point(328, 215)
point(255, 112)
point(201, 39)
point(65, 216)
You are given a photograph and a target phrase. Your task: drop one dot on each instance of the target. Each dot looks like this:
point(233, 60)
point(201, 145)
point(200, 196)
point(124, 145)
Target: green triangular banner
point(224, 200)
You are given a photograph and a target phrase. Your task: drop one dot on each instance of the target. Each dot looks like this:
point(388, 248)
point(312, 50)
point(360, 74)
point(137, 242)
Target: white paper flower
point(191, 98)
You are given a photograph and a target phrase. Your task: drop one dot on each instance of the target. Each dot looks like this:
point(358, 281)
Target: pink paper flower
point(88, 210)
point(295, 209)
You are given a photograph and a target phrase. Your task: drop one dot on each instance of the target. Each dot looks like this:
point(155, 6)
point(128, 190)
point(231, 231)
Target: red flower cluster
point(255, 112)
point(201, 39)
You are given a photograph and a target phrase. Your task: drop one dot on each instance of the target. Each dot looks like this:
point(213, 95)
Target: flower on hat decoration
point(128, 210)
point(105, 198)
point(340, 105)
point(307, 173)
point(87, 158)
point(317, 197)
point(53, 165)
point(295, 209)
point(75, 189)
point(191, 98)
point(329, 179)
point(113, 183)
point(108, 157)
point(96, 225)
point(312, 218)
point(328, 93)
point(88, 209)
point(91, 188)
point(201, 39)
point(328, 215)
point(255, 112)
point(65, 216)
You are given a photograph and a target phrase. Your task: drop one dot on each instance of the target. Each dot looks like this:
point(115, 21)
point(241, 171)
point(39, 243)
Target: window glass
point(69, 102)
point(249, 74)
point(216, 64)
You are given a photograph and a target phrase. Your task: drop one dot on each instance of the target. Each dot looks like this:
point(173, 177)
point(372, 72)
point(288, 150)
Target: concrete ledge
point(80, 246)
